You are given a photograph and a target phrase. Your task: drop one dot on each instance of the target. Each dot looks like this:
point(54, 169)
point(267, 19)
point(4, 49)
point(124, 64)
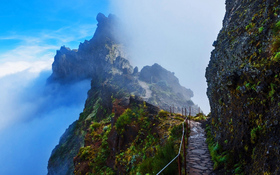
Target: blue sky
point(32, 30)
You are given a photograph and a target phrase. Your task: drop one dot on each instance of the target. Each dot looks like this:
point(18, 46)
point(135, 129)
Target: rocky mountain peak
point(102, 53)
point(157, 74)
point(107, 29)
point(101, 17)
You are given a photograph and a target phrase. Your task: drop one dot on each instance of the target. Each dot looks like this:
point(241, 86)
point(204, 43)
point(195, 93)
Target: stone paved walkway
point(198, 157)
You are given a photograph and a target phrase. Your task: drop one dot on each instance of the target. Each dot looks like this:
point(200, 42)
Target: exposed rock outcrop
point(244, 86)
point(166, 89)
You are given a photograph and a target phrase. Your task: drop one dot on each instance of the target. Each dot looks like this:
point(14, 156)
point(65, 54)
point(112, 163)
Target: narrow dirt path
point(147, 88)
point(198, 157)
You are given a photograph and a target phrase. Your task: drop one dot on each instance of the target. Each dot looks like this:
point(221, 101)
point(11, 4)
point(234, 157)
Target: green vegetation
point(277, 57)
point(250, 26)
point(163, 113)
point(261, 29)
point(96, 156)
point(123, 120)
point(219, 157)
point(145, 149)
point(153, 165)
point(255, 132)
point(276, 28)
point(198, 117)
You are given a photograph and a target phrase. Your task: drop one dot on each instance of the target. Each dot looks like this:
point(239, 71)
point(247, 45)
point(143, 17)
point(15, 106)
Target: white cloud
point(20, 66)
point(35, 53)
point(9, 68)
point(68, 34)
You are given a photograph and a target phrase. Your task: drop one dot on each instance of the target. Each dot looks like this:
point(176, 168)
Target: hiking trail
point(198, 156)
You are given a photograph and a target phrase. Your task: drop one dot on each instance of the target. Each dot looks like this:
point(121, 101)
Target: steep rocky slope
point(243, 79)
point(138, 138)
point(104, 60)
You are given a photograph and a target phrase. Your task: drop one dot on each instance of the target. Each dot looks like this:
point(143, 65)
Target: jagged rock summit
point(102, 53)
point(104, 60)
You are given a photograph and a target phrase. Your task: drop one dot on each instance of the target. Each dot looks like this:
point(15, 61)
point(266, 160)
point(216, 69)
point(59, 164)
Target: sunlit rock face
point(244, 85)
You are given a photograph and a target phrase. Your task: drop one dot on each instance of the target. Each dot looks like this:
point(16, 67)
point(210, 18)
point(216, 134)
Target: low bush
point(123, 120)
point(164, 155)
point(163, 113)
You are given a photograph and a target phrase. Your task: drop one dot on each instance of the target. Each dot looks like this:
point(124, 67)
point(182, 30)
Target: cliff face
point(244, 85)
point(103, 60)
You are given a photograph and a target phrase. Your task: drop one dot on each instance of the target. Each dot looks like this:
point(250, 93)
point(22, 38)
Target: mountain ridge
point(103, 59)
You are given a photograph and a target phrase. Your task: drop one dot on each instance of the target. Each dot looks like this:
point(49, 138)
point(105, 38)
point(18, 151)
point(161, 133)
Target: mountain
point(244, 87)
point(116, 89)
point(102, 53)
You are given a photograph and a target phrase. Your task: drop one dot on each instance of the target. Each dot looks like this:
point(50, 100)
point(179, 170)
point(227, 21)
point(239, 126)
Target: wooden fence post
point(179, 164)
point(185, 157)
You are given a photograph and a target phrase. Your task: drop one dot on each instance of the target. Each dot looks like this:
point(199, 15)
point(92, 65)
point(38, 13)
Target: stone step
point(198, 157)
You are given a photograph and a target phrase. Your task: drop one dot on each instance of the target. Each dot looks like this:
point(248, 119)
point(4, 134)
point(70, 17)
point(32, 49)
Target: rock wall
point(244, 86)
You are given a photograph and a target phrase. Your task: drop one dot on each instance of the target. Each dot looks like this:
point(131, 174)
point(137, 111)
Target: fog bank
point(176, 34)
point(33, 117)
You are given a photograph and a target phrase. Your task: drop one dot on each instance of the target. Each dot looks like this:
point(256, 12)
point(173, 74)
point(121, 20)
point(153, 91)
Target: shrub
point(250, 26)
point(163, 113)
point(199, 117)
point(85, 152)
point(123, 120)
point(277, 57)
point(254, 134)
point(164, 155)
point(176, 131)
point(94, 125)
point(261, 29)
point(276, 28)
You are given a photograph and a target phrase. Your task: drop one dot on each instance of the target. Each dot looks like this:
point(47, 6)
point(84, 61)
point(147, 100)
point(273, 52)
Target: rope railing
point(177, 154)
point(182, 139)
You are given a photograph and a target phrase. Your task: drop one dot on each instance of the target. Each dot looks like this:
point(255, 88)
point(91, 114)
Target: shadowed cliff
point(243, 89)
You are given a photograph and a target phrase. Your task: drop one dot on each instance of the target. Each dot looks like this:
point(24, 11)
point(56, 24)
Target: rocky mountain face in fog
point(104, 60)
point(165, 88)
point(103, 53)
point(244, 86)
